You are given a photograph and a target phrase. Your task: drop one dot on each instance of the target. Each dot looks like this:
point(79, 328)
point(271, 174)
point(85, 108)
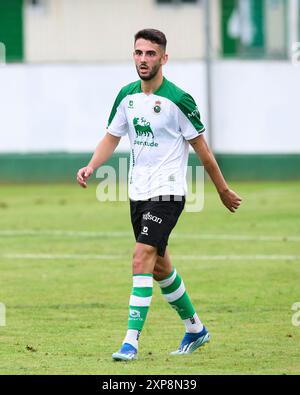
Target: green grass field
point(65, 279)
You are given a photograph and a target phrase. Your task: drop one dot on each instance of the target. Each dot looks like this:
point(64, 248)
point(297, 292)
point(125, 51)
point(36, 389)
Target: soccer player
point(161, 121)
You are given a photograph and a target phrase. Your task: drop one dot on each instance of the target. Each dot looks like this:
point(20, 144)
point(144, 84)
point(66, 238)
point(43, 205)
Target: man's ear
point(164, 59)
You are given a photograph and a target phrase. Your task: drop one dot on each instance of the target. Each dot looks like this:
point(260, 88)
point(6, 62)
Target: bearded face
point(149, 58)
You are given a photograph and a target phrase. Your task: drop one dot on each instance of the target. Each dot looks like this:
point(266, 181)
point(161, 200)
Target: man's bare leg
point(163, 267)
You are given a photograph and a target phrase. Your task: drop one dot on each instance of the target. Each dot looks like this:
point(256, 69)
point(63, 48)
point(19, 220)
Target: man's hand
point(230, 200)
point(102, 153)
point(83, 174)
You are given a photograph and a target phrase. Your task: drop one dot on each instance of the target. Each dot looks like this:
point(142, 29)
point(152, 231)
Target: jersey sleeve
point(189, 118)
point(117, 123)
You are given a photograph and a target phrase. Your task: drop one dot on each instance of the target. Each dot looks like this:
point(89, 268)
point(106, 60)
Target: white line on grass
point(175, 257)
point(116, 234)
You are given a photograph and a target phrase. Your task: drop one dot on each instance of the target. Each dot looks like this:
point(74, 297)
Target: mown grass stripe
point(174, 257)
point(120, 234)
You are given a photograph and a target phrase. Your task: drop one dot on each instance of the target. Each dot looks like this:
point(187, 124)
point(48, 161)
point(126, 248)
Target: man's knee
point(144, 258)
point(161, 270)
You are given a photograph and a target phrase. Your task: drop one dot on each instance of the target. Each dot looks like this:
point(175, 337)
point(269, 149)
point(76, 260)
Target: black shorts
point(153, 219)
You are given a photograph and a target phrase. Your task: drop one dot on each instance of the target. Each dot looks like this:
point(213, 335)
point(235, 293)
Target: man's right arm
point(102, 153)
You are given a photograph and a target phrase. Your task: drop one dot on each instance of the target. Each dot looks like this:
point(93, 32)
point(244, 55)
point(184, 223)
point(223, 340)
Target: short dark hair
point(152, 35)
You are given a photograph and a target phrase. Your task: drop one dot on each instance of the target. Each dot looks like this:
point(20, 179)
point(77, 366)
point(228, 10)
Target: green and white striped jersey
point(158, 126)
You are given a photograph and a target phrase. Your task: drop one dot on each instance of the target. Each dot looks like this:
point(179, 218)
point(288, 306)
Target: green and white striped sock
point(139, 304)
point(173, 289)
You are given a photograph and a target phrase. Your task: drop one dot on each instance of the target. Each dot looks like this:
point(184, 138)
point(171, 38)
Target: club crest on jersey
point(157, 107)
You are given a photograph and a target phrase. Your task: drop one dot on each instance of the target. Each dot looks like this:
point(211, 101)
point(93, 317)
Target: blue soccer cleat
point(126, 353)
point(192, 341)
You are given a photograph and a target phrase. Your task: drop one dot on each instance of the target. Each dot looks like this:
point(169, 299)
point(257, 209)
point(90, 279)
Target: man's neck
point(151, 86)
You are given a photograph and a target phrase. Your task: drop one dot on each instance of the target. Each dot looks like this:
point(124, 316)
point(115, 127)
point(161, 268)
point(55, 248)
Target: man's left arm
point(229, 198)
